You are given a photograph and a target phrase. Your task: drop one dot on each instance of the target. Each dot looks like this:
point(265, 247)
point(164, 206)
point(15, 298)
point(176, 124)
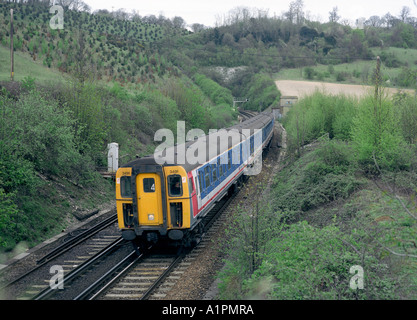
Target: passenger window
point(125, 187)
point(149, 185)
point(207, 176)
point(200, 180)
point(174, 186)
point(214, 170)
point(252, 144)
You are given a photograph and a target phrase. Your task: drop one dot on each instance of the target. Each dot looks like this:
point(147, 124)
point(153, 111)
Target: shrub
point(309, 73)
point(322, 176)
point(341, 76)
point(305, 263)
point(262, 93)
point(377, 137)
point(213, 90)
point(39, 131)
point(8, 215)
point(319, 114)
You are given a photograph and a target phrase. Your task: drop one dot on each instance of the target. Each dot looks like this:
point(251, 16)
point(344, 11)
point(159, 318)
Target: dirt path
point(302, 88)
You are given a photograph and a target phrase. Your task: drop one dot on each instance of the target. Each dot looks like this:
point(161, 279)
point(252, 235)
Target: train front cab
point(180, 195)
point(154, 205)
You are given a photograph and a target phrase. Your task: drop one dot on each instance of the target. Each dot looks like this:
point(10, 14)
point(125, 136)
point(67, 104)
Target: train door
point(149, 199)
point(192, 184)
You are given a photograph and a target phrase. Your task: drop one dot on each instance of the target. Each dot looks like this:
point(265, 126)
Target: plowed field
point(302, 88)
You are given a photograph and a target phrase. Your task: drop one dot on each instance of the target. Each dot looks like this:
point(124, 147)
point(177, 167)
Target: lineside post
point(11, 46)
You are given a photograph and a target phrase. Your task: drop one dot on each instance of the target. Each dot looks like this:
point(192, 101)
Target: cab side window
point(174, 185)
point(126, 187)
point(149, 185)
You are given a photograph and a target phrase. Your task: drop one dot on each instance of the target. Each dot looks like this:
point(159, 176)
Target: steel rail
point(67, 245)
point(79, 270)
point(85, 295)
point(161, 278)
point(61, 249)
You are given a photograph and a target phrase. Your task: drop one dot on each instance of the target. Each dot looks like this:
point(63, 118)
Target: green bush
point(37, 141)
point(377, 137)
point(309, 73)
point(322, 176)
point(341, 76)
point(262, 93)
point(306, 263)
point(317, 115)
point(8, 216)
point(407, 108)
point(213, 90)
point(37, 130)
point(87, 110)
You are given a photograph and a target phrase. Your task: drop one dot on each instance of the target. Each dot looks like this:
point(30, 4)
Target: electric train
point(166, 195)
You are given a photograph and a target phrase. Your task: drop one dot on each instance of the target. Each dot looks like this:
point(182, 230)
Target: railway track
point(73, 251)
point(150, 275)
point(247, 114)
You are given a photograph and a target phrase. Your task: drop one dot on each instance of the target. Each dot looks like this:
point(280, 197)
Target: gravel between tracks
point(199, 281)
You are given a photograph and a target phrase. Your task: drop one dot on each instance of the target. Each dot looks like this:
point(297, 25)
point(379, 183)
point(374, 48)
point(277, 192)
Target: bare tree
point(121, 14)
point(197, 27)
point(135, 16)
point(77, 5)
point(374, 21)
point(295, 14)
point(299, 13)
point(390, 20)
point(405, 13)
point(178, 22)
point(333, 15)
point(151, 19)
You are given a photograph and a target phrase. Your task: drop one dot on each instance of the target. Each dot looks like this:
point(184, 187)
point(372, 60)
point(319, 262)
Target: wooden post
point(11, 46)
point(377, 77)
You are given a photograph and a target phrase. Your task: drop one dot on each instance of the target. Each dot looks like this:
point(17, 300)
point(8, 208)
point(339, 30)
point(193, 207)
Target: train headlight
point(151, 217)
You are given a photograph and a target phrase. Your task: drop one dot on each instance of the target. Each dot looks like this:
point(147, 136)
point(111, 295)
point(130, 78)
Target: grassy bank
point(341, 203)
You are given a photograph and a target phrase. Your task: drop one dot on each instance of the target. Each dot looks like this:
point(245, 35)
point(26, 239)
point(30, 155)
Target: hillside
point(71, 99)
point(24, 66)
point(342, 201)
point(105, 47)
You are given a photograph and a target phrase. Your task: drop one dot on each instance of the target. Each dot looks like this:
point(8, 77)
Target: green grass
point(355, 72)
point(24, 66)
point(406, 56)
point(357, 67)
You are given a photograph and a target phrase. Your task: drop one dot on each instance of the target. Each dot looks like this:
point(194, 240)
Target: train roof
point(193, 154)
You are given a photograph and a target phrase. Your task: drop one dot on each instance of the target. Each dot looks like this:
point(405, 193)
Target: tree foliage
point(376, 135)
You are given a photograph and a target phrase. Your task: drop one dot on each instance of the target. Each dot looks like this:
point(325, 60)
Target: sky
point(207, 12)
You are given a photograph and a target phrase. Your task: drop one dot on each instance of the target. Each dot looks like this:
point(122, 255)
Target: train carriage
point(165, 196)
